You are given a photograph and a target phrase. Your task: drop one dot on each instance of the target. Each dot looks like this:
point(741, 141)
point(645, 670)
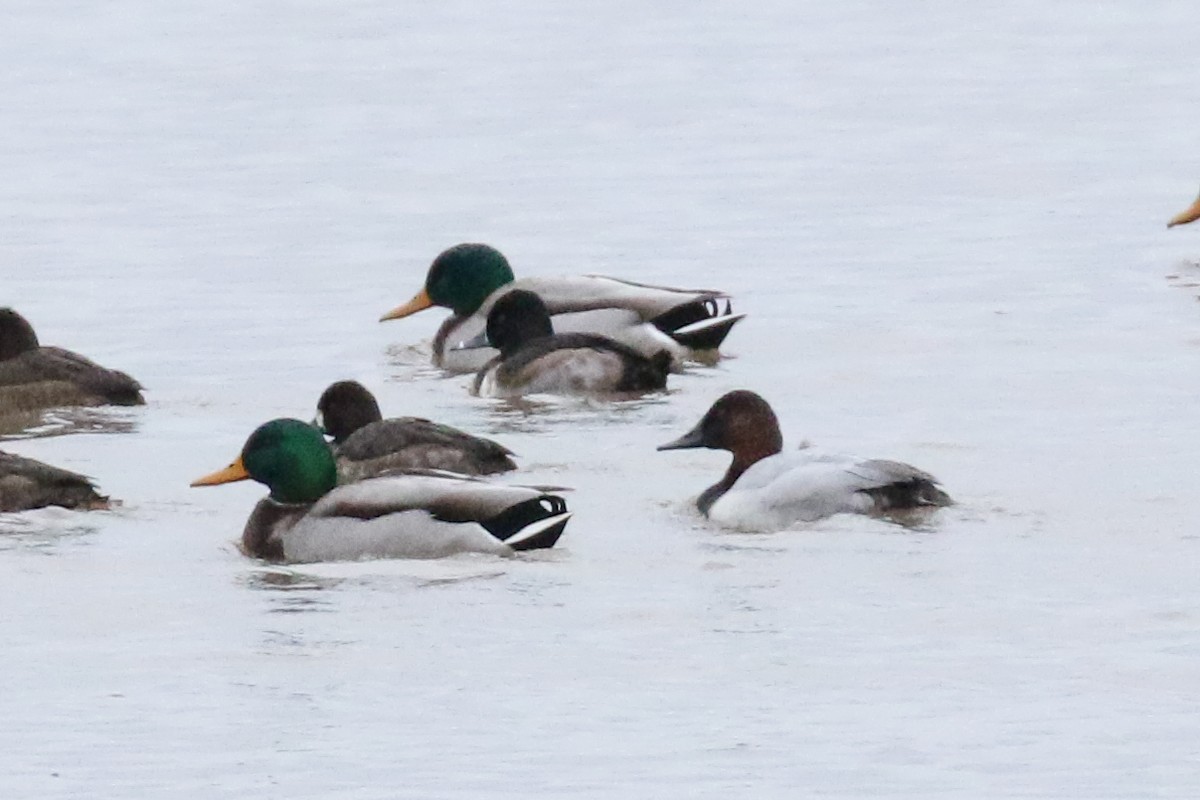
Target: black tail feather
point(514, 519)
point(903, 495)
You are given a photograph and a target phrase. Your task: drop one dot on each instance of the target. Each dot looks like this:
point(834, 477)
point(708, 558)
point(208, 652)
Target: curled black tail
point(532, 524)
point(700, 325)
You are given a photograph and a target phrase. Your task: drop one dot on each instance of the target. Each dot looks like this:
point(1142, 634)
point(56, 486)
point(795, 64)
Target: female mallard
point(26, 484)
point(366, 444)
point(469, 279)
point(767, 489)
point(1190, 214)
point(423, 514)
point(534, 359)
point(33, 376)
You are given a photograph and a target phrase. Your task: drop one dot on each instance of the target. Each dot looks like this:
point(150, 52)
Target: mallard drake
point(533, 359)
point(365, 444)
point(469, 279)
point(26, 484)
point(767, 489)
point(33, 376)
point(1189, 214)
point(422, 514)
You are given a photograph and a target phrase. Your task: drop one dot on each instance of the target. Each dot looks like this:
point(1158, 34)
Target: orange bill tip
point(1191, 214)
point(420, 302)
point(234, 472)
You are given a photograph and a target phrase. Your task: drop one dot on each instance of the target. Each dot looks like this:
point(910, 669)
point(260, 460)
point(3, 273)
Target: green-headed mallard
point(418, 515)
point(469, 279)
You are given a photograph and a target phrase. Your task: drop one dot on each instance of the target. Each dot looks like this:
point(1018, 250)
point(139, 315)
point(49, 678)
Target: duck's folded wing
point(896, 485)
point(590, 292)
point(56, 365)
point(808, 485)
point(692, 318)
point(412, 442)
point(425, 516)
point(26, 483)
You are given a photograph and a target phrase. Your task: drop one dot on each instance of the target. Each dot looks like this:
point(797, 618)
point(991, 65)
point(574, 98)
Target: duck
point(34, 377)
point(533, 359)
point(26, 483)
point(366, 445)
point(307, 518)
point(469, 278)
point(1189, 214)
point(766, 489)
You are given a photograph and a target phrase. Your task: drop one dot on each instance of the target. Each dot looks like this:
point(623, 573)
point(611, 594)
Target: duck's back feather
point(802, 486)
point(573, 363)
point(59, 369)
point(564, 294)
point(26, 483)
point(640, 316)
point(415, 443)
point(416, 515)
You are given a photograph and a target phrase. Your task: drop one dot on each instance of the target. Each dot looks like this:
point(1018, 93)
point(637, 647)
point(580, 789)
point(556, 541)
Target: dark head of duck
point(345, 407)
point(516, 318)
point(742, 423)
point(460, 279)
point(289, 456)
point(16, 334)
point(292, 459)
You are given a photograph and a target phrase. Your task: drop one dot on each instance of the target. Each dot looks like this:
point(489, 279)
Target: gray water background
point(945, 223)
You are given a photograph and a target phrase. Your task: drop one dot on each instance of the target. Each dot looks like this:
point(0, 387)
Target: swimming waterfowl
point(26, 484)
point(365, 444)
point(767, 489)
point(422, 514)
point(469, 279)
point(1189, 214)
point(34, 377)
point(534, 359)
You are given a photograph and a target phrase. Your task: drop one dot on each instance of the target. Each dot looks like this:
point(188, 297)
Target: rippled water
point(946, 225)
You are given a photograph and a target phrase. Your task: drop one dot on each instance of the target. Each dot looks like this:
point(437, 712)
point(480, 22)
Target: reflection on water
point(295, 592)
point(536, 413)
point(44, 530)
point(1186, 277)
point(60, 421)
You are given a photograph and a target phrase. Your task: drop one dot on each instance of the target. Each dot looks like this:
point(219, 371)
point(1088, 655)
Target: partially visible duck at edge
point(1189, 214)
point(33, 376)
point(468, 279)
point(27, 484)
point(365, 444)
point(766, 489)
point(534, 359)
point(422, 514)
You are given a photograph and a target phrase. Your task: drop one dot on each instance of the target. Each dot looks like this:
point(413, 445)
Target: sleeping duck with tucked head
point(470, 278)
point(27, 484)
point(366, 445)
point(766, 489)
point(533, 359)
point(420, 514)
point(33, 376)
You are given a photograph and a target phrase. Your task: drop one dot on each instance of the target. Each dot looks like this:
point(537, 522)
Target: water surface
point(946, 225)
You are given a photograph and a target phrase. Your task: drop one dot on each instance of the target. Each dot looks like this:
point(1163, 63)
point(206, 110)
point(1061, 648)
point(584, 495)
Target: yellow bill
point(234, 472)
point(420, 302)
point(1191, 214)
